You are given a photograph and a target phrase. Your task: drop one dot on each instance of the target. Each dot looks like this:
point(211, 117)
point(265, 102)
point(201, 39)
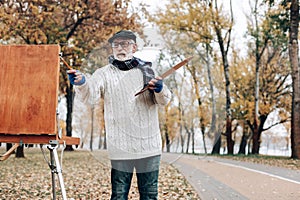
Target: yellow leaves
point(172, 122)
point(38, 37)
point(34, 10)
point(194, 18)
point(40, 21)
point(86, 176)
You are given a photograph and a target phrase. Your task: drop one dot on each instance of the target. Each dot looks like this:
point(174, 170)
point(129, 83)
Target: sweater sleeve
point(90, 91)
point(163, 97)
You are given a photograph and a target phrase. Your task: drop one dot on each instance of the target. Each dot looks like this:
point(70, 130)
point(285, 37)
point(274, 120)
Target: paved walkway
point(216, 179)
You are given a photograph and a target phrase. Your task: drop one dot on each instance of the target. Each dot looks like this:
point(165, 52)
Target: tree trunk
point(20, 151)
point(188, 142)
point(258, 129)
point(294, 60)
point(92, 127)
point(167, 141)
point(193, 142)
point(230, 142)
point(245, 138)
point(217, 145)
point(100, 142)
point(203, 136)
point(224, 53)
point(213, 99)
point(204, 143)
point(242, 149)
point(104, 142)
point(255, 138)
point(8, 146)
point(70, 98)
point(182, 142)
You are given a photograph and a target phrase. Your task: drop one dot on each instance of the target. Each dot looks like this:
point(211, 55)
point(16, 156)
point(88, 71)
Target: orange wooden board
point(29, 77)
point(37, 139)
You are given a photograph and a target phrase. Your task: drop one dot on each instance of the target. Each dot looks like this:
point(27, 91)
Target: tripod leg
point(52, 166)
point(59, 174)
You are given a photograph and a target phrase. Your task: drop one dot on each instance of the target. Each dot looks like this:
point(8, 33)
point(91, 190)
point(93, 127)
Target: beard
point(122, 56)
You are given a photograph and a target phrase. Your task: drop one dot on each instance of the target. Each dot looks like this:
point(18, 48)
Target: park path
point(215, 179)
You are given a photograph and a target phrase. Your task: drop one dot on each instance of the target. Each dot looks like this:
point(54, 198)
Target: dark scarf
point(144, 66)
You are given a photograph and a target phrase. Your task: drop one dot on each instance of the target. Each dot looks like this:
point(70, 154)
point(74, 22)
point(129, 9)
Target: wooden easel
point(29, 78)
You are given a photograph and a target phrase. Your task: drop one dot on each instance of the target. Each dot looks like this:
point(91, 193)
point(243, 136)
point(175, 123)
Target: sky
point(239, 12)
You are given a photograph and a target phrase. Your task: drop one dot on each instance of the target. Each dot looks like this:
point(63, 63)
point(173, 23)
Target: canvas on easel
point(29, 88)
point(29, 80)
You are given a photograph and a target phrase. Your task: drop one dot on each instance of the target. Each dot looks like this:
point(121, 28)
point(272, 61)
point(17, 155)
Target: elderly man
point(131, 122)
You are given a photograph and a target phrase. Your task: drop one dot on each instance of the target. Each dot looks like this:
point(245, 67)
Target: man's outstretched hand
point(156, 84)
point(76, 77)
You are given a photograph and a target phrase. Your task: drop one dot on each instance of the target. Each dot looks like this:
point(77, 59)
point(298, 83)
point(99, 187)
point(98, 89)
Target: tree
point(294, 60)
point(199, 22)
point(259, 50)
point(271, 74)
point(242, 76)
point(224, 40)
point(78, 26)
point(274, 93)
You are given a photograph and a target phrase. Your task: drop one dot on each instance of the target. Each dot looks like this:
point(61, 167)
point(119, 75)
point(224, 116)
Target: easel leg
point(53, 171)
point(56, 168)
point(10, 151)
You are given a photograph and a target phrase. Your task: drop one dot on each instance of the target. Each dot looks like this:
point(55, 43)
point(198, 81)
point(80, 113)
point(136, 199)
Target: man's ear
point(134, 48)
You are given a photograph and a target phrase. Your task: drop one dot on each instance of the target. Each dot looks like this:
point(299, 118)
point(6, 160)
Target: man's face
point(123, 49)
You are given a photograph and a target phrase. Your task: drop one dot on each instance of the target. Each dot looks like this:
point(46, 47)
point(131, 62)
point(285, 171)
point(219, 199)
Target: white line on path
point(257, 171)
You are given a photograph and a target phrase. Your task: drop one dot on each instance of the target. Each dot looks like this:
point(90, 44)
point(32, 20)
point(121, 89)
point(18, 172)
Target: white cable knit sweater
point(131, 122)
